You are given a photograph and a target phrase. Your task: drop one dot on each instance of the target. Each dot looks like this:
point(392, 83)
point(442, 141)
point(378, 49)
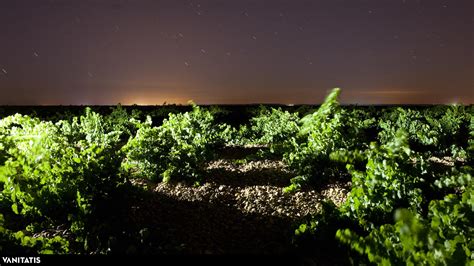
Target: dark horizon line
point(230, 104)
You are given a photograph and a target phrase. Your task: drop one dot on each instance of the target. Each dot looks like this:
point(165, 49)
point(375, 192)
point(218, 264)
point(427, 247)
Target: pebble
point(266, 200)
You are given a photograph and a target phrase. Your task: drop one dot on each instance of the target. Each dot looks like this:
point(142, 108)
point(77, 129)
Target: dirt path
point(240, 208)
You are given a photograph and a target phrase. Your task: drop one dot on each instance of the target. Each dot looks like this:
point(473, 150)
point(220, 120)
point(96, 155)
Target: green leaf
point(15, 208)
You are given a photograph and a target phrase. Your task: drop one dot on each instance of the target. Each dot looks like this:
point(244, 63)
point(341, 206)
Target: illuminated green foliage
point(439, 131)
point(414, 164)
point(329, 129)
point(55, 174)
point(274, 127)
point(176, 150)
point(444, 237)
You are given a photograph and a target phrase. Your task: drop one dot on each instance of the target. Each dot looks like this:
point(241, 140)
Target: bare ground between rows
point(239, 208)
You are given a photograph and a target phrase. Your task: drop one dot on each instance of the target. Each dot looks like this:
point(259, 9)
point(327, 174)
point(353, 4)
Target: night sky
point(224, 52)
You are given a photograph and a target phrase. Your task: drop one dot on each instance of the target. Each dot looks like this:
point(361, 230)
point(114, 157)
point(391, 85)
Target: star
point(186, 64)
point(177, 37)
point(4, 71)
point(35, 54)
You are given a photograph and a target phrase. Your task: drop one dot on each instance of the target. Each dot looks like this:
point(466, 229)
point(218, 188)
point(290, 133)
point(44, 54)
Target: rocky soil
point(239, 208)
